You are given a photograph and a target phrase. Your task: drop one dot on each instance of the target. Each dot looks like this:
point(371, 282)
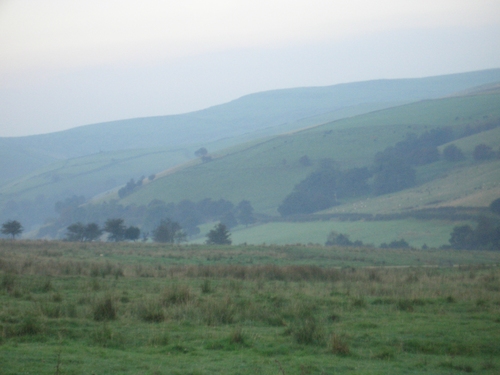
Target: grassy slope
point(97, 173)
point(247, 114)
point(90, 175)
point(255, 114)
point(265, 172)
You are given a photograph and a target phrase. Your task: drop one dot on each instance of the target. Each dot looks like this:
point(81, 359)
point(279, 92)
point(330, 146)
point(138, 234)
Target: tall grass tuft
point(308, 331)
point(339, 345)
point(104, 309)
point(150, 311)
point(175, 294)
point(217, 311)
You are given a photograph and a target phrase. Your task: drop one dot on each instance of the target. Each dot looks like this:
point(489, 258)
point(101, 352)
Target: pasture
point(134, 308)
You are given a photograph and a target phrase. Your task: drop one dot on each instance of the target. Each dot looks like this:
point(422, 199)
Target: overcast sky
point(69, 63)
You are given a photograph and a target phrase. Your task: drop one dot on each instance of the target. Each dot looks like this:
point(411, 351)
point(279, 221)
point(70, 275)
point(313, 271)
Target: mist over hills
point(37, 171)
point(246, 115)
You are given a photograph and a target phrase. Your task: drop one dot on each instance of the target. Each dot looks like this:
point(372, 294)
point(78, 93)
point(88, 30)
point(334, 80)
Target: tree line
point(189, 215)
point(392, 170)
point(167, 231)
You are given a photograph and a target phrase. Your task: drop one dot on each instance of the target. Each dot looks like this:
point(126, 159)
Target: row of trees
point(393, 169)
point(188, 214)
point(116, 229)
point(167, 231)
point(341, 239)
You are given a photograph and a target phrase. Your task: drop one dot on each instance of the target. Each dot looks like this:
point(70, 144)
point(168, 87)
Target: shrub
point(483, 152)
point(219, 312)
point(453, 154)
point(105, 309)
point(308, 331)
point(175, 294)
point(236, 336)
point(150, 311)
point(339, 345)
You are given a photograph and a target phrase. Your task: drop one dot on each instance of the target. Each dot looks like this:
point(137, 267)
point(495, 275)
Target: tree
point(245, 213)
point(462, 237)
point(116, 229)
point(92, 232)
point(495, 206)
point(75, 232)
point(83, 233)
point(219, 236)
point(453, 153)
point(12, 228)
point(483, 152)
point(169, 232)
point(392, 174)
point(338, 239)
point(132, 233)
point(201, 152)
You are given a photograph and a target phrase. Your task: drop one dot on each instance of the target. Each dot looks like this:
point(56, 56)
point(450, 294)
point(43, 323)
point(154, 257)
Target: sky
point(69, 63)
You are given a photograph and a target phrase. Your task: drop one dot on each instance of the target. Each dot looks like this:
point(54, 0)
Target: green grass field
point(103, 308)
point(433, 233)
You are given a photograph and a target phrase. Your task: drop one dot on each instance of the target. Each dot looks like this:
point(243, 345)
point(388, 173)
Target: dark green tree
point(453, 153)
point(79, 232)
point(12, 228)
point(132, 233)
point(75, 232)
point(116, 229)
point(462, 237)
point(201, 152)
point(338, 239)
point(392, 174)
point(219, 235)
point(245, 213)
point(169, 232)
point(483, 152)
point(92, 232)
point(495, 206)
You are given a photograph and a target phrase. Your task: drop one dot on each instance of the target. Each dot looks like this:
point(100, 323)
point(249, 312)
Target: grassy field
point(151, 309)
point(265, 172)
point(433, 233)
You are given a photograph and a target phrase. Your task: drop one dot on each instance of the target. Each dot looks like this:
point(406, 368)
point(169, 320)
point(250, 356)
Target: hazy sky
point(69, 63)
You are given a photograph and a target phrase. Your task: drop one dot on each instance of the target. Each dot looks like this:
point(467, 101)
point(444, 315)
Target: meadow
point(136, 308)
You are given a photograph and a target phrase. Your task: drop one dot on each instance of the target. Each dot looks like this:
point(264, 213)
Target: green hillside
point(249, 117)
point(265, 172)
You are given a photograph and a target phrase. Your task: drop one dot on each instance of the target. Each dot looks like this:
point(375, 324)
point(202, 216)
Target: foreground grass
point(65, 309)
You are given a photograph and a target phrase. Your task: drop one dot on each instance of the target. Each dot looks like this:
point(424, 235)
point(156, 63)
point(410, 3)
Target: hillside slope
point(264, 172)
point(250, 114)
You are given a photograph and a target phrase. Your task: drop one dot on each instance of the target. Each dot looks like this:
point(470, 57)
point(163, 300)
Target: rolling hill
point(255, 143)
point(249, 117)
point(265, 171)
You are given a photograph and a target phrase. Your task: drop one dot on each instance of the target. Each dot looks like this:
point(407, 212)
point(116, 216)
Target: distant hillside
point(249, 117)
point(264, 172)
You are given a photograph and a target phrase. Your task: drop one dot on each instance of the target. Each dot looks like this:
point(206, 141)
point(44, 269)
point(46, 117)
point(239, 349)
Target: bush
point(105, 309)
point(483, 152)
point(308, 331)
point(338, 345)
point(150, 311)
point(453, 154)
point(175, 294)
